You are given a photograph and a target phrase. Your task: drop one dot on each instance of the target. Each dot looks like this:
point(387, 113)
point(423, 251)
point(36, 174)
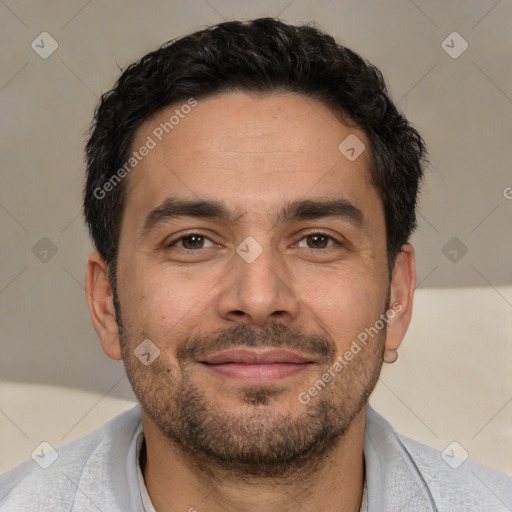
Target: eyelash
point(176, 240)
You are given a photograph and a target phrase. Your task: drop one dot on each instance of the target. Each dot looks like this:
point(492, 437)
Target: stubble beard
point(261, 441)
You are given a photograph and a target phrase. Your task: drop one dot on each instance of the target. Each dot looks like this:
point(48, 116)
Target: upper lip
point(250, 356)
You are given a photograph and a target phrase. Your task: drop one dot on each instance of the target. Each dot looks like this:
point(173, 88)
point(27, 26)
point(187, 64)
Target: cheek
point(164, 304)
point(343, 303)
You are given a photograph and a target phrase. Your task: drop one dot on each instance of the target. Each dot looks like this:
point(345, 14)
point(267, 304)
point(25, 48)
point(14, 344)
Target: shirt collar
point(143, 492)
point(393, 479)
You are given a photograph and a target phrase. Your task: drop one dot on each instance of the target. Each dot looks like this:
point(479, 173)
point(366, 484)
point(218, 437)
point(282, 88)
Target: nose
point(258, 292)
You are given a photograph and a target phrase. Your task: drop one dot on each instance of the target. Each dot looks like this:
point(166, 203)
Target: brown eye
point(191, 242)
point(318, 241)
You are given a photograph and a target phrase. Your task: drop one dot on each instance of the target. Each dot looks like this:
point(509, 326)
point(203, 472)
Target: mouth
point(257, 365)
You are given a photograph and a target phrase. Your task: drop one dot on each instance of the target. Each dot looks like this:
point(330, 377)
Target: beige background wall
point(462, 106)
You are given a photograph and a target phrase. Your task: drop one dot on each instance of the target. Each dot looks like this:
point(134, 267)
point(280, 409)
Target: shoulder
point(405, 474)
point(55, 483)
point(460, 481)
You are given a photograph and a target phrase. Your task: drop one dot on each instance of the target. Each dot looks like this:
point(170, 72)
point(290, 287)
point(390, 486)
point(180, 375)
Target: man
point(251, 190)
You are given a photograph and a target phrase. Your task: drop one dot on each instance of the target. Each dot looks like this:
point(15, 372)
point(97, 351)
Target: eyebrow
point(303, 209)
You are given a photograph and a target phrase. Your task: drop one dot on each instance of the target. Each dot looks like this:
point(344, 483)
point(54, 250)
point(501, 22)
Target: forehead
point(250, 151)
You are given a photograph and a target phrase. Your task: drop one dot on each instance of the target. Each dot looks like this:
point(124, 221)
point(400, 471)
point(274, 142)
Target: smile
point(257, 366)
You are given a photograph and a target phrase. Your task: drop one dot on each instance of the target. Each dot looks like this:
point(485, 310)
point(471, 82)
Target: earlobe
point(101, 306)
point(403, 283)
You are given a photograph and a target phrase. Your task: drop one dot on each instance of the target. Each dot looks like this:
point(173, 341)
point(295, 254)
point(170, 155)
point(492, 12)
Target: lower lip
point(257, 372)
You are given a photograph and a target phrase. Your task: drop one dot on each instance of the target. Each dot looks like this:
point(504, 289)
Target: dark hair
point(258, 56)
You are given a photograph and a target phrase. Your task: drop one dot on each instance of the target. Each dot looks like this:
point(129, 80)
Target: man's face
point(308, 282)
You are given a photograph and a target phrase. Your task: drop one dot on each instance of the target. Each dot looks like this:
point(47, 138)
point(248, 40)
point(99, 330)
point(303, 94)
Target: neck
point(175, 483)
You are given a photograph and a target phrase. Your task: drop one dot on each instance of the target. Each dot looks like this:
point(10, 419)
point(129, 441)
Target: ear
point(101, 306)
point(403, 283)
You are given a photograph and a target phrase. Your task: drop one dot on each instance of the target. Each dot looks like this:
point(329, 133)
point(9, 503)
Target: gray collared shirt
point(100, 471)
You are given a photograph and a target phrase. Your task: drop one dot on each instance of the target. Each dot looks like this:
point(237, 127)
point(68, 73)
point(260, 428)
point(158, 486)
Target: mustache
point(245, 335)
